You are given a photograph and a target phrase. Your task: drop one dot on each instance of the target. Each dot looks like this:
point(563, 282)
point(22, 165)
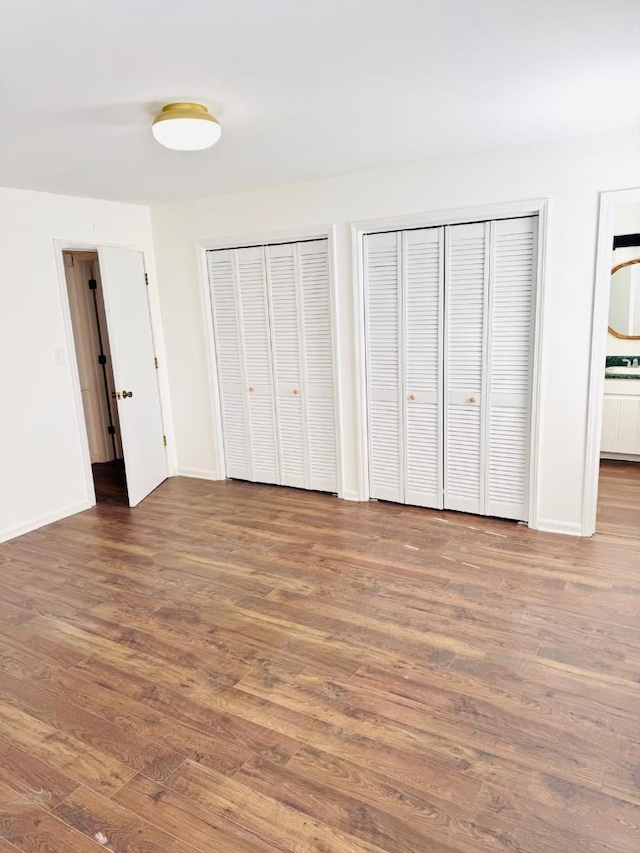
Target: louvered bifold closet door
point(466, 277)
point(383, 301)
point(510, 340)
point(252, 287)
point(230, 363)
point(423, 301)
point(318, 361)
point(282, 267)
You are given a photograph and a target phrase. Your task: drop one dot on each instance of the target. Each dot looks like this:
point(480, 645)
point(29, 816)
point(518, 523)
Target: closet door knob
point(295, 391)
point(473, 399)
point(412, 396)
point(251, 389)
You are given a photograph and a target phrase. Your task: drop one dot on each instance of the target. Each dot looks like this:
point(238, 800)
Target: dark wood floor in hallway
point(234, 668)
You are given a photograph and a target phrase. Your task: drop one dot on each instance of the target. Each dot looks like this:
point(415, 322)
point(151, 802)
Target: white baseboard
point(199, 474)
point(351, 495)
point(567, 528)
point(622, 457)
point(41, 521)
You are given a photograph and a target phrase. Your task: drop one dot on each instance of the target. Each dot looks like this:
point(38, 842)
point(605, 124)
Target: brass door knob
point(251, 389)
point(473, 399)
point(295, 391)
point(126, 394)
point(412, 396)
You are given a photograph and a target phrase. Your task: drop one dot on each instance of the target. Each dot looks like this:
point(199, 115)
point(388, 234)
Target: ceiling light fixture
point(186, 127)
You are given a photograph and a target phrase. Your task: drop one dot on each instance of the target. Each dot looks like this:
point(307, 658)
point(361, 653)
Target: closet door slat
point(285, 311)
point(230, 362)
point(466, 277)
point(510, 341)
point(252, 284)
point(383, 270)
point(317, 357)
point(423, 302)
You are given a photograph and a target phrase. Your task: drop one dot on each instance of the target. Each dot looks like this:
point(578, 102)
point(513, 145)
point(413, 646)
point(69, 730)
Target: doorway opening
point(95, 369)
point(619, 474)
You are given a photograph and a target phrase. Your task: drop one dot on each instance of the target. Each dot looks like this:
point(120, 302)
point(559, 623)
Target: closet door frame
point(240, 241)
point(509, 210)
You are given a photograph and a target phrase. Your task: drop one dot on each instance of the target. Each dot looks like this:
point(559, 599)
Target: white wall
point(571, 173)
point(41, 463)
point(627, 221)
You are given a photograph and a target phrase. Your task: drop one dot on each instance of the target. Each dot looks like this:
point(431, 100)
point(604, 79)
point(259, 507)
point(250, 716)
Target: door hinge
point(164, 440)
point(102, 359)
point(93, 284)
point(111, 430)
point(155, 361)
point(146, 279)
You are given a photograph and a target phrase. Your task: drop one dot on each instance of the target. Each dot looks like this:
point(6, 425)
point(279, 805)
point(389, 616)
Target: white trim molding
point(609, 201)
point(528, 207)
point(566, 528)
point(42, 520)
point(289, 235)
point(199, 474)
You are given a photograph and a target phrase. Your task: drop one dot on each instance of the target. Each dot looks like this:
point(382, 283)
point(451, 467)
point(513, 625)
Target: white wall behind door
point(42, 475)
point(570, 172)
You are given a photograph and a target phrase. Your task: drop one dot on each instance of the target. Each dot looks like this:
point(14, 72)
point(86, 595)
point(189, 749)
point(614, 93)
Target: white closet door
point(383, 270)
point(288, 369)
point(230, 361)
point(423, 292)
point(466, 277)
point(509, 359)
point(252, 286)
point(317, 358)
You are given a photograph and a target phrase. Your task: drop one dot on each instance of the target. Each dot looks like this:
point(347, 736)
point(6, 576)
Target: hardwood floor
point(110, 482)
point(238, 668)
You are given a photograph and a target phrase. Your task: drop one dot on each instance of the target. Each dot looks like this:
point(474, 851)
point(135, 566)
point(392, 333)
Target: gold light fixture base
point(183, 109)
point(185, 126)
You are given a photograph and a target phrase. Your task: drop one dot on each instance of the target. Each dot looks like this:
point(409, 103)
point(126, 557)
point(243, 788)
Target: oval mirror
point(624, 302)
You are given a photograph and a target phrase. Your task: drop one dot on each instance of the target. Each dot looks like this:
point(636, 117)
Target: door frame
point(61, 246)
point(609, 201)
point(528, 207)
point(288, 235)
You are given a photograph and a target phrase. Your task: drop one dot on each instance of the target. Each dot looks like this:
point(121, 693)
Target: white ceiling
point(303, 88)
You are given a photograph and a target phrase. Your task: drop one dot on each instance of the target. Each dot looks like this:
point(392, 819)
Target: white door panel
point(132, 352)
point(229, 342)
point(466, 293)
point(509, 360)
point(423, 282)
point(318, 359)
point(383, 265)
point(251, 280)
point(287, 363)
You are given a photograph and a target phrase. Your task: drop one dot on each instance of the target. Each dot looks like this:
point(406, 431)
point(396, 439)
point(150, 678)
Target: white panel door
point(383, 274)
point(282, 268)
point(229, 342)
point(466, 277)
point(254, 313)
point(423, 303)
point(509, 360)
point(318, 367)
point(133, 357)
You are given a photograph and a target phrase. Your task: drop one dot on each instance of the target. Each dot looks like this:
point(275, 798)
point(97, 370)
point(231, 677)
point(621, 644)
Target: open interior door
point(135, 374)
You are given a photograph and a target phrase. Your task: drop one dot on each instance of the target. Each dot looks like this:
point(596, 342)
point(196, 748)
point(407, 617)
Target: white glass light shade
point(186, 127)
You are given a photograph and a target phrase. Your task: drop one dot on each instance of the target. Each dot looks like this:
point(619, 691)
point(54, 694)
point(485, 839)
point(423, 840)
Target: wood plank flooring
point(244, 669)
